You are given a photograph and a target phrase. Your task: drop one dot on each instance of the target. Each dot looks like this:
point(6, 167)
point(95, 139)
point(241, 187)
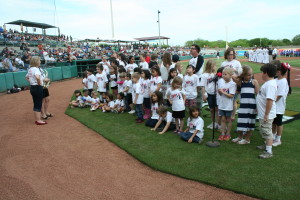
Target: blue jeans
point(187, 135)
point(139, 111)
point(151, 122)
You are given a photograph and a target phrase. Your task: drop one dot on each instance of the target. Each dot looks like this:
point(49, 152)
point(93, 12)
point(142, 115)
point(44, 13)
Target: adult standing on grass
point(198, 62)
point(35, 78)
point(231, 62)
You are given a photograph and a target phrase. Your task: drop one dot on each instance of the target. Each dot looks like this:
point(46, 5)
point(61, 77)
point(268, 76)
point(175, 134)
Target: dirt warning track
point(66, 160)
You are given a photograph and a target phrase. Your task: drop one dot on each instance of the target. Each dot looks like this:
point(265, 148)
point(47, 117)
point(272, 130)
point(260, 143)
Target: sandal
point(40, 123)
point(45, 117)
point(50, 115)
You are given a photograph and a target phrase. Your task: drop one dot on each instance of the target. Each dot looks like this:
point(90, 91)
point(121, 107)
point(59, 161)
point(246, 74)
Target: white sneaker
point(210, 126)
point(104, 110)
point(131, 112)
point(243, 141)
point(235, 140)
point(276, 143)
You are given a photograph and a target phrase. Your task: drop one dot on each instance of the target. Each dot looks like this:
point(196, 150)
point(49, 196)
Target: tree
point(277, 43)
point(286, 41)
point(240, 43)
point(296, 40)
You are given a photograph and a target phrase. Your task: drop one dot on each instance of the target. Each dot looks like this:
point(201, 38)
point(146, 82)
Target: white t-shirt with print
point(176, 96)
point(84, 82)
point(129, 85)
point(111, 104)
point(144, 65)
point(235, 64)
point(95, 101)
point(130, 67)
point(113, 82)
point(79, 99)
point(154, 81)
point(31, 75)
point(189, 86)
point(86, 99)
point(208, 83)
point(282, 90)
point(196, 124)
point(145, 84)
point(101, 80)
point(91, 79)
point(168, 117)
point(226, 103)
point(137, 89)
point(154, 107)
point(120, 103)
point(121, 87)
point(267, 91)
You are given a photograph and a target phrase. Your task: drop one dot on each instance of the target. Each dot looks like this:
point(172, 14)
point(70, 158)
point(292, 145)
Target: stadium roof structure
point(152, 38)
point(31, 24)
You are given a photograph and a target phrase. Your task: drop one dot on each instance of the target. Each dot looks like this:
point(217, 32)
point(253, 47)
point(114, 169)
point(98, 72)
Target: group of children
point(139, 90)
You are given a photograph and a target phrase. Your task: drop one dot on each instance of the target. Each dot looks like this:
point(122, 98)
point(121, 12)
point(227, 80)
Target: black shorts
point(278, 120)
point(212, 101)
point(45, 92)
point(114, 88)
point(178, 114)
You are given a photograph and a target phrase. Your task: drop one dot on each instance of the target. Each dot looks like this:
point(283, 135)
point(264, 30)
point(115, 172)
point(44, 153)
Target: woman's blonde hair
point(210, 66)
point(34, 61)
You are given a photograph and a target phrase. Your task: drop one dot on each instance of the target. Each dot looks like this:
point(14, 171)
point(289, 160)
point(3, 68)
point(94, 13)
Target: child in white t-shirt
point(119, 103)
point(190, 84)
point(128, 94)
point(84, 80)
point(113, 80)
point(91, 81)
point(226, 90)
point(109, 106)
point(120, 83)
point(156, 102)
point(145, 84)
point(101, 80)
point(165, 122)
point(195, 124)
point(283, 90)
point(95, 102)
point(137, 97)
point(78, 101)
point(131, 66)
point(176, 97)
point(143, 64)
point(208, 81)
point(266, 108)
point(179, 67)
point(156, 80)
point(86, 98)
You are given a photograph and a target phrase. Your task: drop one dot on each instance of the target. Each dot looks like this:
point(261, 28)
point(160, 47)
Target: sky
point(179, 20)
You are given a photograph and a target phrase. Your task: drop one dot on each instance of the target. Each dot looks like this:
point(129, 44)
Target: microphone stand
point(214, 143)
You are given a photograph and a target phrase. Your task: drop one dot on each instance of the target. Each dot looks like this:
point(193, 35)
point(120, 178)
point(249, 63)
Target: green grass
point(230, 166)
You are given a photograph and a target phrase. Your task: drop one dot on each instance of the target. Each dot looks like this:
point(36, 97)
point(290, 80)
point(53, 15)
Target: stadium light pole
point(158, 21)
point(112, 20)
